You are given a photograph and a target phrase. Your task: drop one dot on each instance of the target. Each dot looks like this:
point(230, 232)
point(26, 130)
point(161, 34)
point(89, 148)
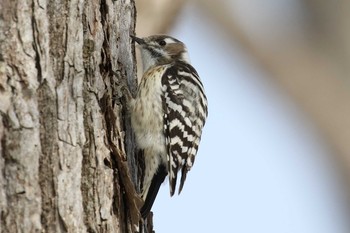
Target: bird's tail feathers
point(152, 192)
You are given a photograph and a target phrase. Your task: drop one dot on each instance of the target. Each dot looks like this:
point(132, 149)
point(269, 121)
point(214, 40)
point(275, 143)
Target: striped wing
point(185, 111)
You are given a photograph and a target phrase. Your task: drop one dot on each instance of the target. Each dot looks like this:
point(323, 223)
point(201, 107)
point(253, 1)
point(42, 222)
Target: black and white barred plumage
point(167, 115)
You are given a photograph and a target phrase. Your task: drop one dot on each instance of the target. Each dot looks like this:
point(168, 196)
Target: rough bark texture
point(63, 165)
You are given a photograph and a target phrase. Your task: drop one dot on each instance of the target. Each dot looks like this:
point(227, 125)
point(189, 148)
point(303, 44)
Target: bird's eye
point(162, 43)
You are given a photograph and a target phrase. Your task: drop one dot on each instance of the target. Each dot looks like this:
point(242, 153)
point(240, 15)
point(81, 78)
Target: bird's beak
point(138, 40)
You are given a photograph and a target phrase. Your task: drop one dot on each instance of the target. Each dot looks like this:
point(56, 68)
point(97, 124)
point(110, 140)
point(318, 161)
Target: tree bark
point(63, 122)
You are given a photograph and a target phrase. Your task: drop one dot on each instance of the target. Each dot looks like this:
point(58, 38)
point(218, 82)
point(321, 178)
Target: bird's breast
point(147, 112)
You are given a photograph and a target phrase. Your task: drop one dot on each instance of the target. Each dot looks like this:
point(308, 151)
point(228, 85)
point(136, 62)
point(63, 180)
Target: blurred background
point(275, 151)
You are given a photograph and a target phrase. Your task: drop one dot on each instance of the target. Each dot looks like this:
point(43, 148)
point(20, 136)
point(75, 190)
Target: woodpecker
point(167, 114)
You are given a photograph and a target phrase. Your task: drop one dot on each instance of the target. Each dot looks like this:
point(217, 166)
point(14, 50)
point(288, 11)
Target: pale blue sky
point(262, 166)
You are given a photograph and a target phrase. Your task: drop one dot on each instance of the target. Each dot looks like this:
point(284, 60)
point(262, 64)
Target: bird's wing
point(185, 110)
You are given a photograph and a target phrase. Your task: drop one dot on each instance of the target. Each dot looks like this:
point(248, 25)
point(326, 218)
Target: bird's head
point(161, 50)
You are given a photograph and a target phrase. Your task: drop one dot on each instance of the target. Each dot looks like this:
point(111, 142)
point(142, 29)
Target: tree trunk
point(63, 127)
